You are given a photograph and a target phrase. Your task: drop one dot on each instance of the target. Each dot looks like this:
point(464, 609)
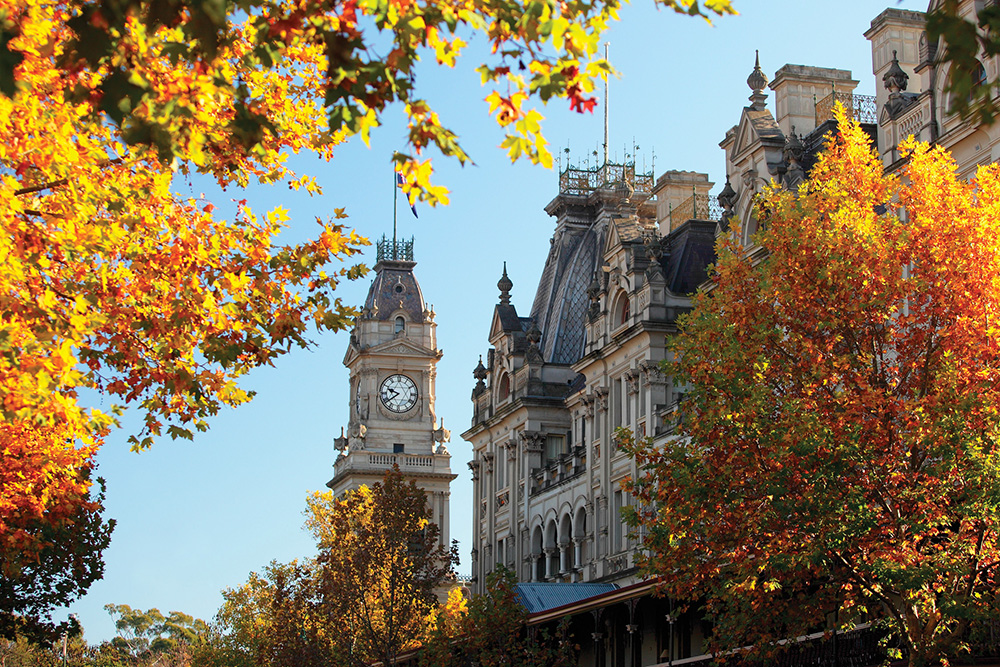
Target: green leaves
point(9, 60)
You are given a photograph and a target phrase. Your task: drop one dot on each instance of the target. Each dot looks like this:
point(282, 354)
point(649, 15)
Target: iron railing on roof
point(696, 207)
point(393, 250)
point(576, 181)
point(862, 108)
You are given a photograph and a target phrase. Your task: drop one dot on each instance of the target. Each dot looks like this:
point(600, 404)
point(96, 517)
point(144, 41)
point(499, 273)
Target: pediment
point(401, 347)
point(505, 320)
point(745, 135)
point(757, 127)
point(496, 326)
point(351, 355)
point(614, 239)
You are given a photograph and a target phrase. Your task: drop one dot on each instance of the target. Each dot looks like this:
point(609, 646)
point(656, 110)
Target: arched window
point(400, 325)
point(621, 311)
point(978, 79)
point(504, 392)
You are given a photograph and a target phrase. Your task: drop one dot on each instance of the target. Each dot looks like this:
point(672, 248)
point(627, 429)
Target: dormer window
point(400, 325)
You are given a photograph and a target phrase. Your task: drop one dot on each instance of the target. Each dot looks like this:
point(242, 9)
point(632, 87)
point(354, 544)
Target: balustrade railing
point(576, 181)
point(862, 108)
point(696, 207)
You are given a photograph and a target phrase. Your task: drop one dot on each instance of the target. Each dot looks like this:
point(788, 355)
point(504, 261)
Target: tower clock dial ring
point(398, 393)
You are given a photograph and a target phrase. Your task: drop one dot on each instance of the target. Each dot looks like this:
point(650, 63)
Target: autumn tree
point(380, 567)
point(492, 631)
point(52, 534)
point(370, 593)
point(838, 445)
point(110, 281)
point(273, 619)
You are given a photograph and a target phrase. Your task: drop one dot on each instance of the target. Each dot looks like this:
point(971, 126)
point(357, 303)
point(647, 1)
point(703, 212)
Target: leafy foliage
point(493, 632)
point(274, 619)
point(129, 59)
point(148, 634)
point(839, 446)
point(52, 544)
point(966, 41)
point(379, 568)
point(370, 594)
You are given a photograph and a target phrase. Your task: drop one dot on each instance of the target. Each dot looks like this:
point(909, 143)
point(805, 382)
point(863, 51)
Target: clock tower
point(392, 359)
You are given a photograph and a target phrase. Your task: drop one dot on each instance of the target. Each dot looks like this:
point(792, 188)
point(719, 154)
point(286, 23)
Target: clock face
point(398, 393)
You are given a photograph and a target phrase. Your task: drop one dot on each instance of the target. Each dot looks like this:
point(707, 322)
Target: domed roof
point(395, 288)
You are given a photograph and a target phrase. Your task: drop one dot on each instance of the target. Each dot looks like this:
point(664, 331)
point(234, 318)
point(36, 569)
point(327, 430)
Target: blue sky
point(197, 517)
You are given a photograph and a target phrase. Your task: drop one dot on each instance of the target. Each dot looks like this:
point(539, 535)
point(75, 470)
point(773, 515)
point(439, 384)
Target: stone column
point(563, 553)
point(534, 567)
point(550, 557)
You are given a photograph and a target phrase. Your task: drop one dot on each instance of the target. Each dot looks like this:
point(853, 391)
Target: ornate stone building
point(555, 385)
point(626, 252)
point(392, 359)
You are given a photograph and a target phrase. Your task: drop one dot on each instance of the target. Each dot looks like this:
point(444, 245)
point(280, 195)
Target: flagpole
point(395, 195)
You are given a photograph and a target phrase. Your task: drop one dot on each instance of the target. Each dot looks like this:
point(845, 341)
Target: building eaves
point(540, 597)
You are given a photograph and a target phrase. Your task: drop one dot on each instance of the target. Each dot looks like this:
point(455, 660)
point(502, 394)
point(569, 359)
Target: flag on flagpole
point(399, 183)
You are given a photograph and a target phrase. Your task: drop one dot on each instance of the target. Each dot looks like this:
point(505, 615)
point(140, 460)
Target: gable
point(401, 347)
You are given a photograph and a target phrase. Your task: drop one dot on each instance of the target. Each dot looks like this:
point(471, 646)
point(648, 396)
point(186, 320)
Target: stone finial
point(794, 173)
point(757, 82)
point(793, 147)
point(654, 248)
point(479, 372)
point(505, 285)
point(727, 198)
point(895, 78)
point(534, 333)
point(594, 289)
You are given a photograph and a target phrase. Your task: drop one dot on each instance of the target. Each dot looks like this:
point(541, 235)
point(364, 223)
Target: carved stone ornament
point(588, 405)
point(356, 437)
point(601, 396)
point(474, 467)
point(533, 356)
point(651, 372)
point(632, 381)
point(511, 447)
point(340, 444)
point(531, 441)
point(757, 81)
point(488, 457)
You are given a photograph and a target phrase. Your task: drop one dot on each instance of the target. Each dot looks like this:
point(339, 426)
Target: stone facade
point(556, 385)
point(626, 253)
point(392, 359)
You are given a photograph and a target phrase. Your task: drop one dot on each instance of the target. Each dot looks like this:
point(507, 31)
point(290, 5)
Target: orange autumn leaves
point(112, 283)
point(44, 481)
point(841, 427)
